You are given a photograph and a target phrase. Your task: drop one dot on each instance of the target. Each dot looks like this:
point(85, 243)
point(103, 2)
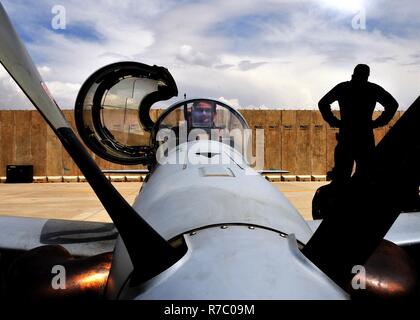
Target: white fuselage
point(242, 233)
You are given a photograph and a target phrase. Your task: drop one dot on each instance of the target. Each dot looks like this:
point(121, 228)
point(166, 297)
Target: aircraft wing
point(80, 238)
point(404, 232)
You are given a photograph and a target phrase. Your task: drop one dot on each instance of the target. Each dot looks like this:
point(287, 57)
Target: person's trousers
point(352, 149)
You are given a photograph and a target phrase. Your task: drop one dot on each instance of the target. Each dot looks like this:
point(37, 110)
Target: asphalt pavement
point(77, 201)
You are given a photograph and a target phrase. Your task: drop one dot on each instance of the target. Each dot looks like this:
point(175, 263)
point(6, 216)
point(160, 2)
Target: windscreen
point(204, 119)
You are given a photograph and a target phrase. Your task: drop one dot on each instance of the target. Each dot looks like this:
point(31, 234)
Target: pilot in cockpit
point(203, 114)
point(202, 118)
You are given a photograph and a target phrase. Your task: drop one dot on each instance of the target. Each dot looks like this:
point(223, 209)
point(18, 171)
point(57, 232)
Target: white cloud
point(65, 91)
point(10, 93)
point(44, 71)
point(233, 102)
point(3, 73)
point(291, 55)
point(246, 65)
point(188, 55)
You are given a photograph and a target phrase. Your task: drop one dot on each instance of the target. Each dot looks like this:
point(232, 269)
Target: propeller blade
point(149, 252)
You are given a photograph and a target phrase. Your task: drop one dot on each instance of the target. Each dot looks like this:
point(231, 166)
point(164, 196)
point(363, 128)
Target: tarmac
point(77, 201)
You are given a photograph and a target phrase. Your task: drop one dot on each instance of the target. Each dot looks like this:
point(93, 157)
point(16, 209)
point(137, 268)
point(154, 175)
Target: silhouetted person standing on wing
point(357, 100)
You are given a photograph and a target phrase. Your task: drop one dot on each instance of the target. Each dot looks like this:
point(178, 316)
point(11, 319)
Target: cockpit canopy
point(113, 107)
point(198, 119)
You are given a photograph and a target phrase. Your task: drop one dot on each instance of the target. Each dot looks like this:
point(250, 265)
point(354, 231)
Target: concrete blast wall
point(298, 141)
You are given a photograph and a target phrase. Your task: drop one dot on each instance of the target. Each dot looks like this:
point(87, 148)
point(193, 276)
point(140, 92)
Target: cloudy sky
point(276, 54)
